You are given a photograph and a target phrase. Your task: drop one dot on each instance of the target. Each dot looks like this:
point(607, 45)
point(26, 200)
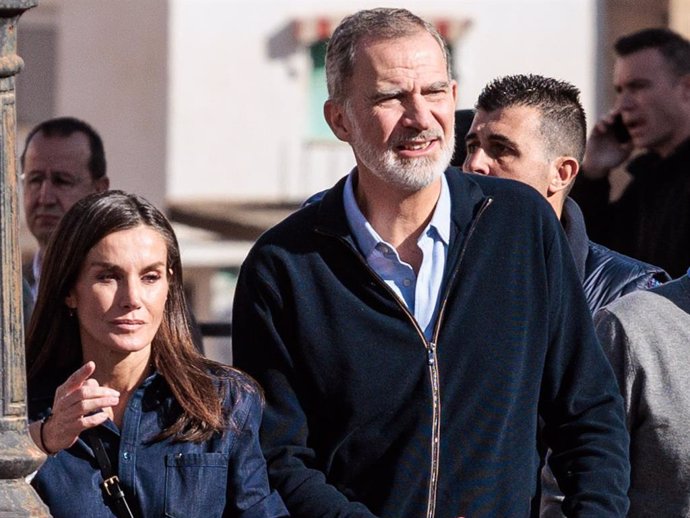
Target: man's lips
point(633, 123)
point(46, 218)
point(416, 147)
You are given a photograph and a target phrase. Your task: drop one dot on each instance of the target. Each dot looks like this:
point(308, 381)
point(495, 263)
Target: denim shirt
point(223, 476)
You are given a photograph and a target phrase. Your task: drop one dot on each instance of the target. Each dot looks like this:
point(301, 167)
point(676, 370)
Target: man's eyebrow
point(391, 92)
point(635, 81)
point(385, 93)
point(498, 137)
point(43, 172)
point(436, 86)
point(492, 138)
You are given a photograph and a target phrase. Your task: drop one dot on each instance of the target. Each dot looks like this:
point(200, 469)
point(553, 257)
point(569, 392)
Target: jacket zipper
point(432, 359)
point(433, 367)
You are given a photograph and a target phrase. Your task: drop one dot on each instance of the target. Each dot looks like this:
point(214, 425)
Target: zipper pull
point(431, 353)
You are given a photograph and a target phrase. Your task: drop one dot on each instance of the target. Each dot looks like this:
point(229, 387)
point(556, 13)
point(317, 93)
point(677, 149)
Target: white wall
point(555, 38)
point(112, 72)
point(237, 115)
point(206, 99)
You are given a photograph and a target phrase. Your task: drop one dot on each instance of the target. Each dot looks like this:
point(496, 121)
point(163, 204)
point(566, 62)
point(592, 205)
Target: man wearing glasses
point(63, 161)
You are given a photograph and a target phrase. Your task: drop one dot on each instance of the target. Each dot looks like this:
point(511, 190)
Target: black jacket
point(365, 417)
point(605, 274)
point(651, 220)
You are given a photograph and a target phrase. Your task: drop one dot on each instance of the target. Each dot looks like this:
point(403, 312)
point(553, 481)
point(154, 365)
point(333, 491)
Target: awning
point(231, 220)
point(309, 30)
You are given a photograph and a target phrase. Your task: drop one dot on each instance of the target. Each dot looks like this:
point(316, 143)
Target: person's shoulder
point(676, 290)
point(301, 234)
point(502, 189)
point(287, 230)
point(295, 228)
point(640, 305)
point(238, 387)
point(628, 273)
point(515, 204)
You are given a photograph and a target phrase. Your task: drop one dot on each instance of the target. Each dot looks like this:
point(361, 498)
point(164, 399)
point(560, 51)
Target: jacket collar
point(465, 193)
point(573, 223)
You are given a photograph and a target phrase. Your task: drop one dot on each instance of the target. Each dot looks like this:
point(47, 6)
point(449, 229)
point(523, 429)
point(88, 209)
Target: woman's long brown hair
point(53, 343)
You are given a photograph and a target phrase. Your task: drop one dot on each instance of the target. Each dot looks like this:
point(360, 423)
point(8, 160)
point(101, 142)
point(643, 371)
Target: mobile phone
point(620, 132)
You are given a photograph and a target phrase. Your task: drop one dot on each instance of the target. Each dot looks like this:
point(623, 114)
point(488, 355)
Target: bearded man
point(411, 326)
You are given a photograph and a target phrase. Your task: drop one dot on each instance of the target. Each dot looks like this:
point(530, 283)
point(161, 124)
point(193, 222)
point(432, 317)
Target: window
point(318, 129)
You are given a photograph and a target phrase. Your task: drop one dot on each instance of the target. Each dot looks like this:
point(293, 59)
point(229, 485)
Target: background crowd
point(422, 338)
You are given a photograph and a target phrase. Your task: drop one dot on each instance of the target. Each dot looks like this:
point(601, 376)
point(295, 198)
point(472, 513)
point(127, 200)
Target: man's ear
point(565, 170)
point(337, 119)
point(102, 184)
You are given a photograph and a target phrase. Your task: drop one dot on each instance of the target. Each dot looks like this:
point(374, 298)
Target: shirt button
point(407, 283)
point(126, 455)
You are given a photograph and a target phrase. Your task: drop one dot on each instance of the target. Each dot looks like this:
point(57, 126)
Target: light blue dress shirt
point(420, 293)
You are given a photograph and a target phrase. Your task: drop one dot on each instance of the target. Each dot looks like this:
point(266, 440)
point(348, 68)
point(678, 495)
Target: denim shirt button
point(126, 455)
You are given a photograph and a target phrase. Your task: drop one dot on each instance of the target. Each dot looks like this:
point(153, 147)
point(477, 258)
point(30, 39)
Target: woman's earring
point(71, 311)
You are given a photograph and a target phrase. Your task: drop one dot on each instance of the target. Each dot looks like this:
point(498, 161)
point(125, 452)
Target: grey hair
point(381, 23)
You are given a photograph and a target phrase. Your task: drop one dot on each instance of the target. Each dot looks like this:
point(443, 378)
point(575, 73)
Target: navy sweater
point(365, 417)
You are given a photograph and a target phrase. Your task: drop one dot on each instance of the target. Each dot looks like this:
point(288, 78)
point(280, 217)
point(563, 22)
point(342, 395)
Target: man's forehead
point(515, 118)
point(372, 49)
point(76, 144)
point(70, 152)
point(645, 63)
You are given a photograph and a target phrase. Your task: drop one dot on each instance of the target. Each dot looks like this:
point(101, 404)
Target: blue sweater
point(365, 417)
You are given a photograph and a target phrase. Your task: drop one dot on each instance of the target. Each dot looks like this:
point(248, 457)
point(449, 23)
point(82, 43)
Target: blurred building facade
point(212, 108)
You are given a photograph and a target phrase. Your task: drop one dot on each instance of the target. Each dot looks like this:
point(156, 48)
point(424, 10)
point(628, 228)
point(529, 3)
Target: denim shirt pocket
point(195, 484)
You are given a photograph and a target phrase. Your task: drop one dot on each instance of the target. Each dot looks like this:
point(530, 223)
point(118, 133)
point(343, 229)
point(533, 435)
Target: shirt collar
point(441, 218)
point(365, 235)
point(367, 238)
point(36, 265)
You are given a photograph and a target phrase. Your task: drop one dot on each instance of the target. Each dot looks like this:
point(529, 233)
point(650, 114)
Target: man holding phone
point(651, 220)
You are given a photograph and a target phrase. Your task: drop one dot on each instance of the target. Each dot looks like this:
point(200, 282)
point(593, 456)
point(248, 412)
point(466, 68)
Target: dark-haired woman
point(119, 397)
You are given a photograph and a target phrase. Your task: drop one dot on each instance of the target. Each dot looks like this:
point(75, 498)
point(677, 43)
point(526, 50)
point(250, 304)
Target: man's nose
point(46, 192)
point(624, 101)
point(477, 162)
point(418, 113)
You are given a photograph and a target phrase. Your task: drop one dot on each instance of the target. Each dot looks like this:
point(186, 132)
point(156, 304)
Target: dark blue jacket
point(605, 274)
point(222, 477)
point(365, 417)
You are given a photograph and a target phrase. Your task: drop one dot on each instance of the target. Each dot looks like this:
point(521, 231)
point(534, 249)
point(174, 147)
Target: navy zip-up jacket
point(364, 417)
